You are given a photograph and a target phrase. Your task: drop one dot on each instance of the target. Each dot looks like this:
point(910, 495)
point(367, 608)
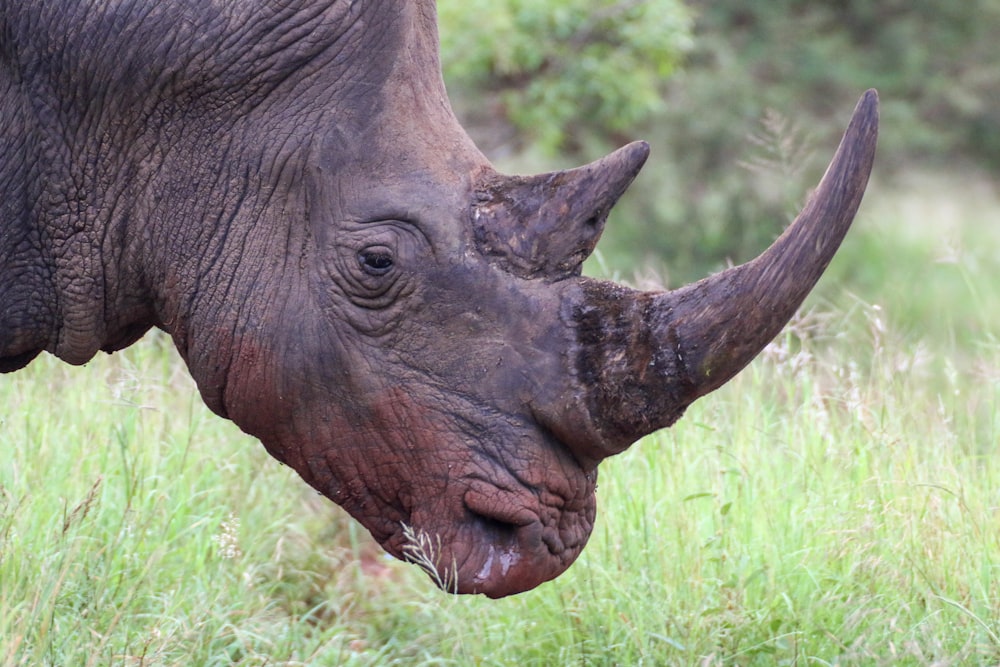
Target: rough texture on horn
point(644, 357)
point(544, 226)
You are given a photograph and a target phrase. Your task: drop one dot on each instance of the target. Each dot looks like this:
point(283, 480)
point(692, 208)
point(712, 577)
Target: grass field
point(838, 503)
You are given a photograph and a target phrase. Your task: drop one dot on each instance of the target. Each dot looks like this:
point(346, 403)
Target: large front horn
point(643, 357)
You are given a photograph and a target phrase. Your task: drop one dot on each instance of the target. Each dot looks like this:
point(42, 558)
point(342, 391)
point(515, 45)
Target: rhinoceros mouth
point(501, 535)
point(499, 549)
point(525, 543)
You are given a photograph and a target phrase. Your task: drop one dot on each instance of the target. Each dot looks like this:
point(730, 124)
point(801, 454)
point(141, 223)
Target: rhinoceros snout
point(509, 558)
point(503, 538)
point(520, 547)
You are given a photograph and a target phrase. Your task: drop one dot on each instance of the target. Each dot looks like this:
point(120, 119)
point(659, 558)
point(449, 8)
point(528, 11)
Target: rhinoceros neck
point(27, 298)
point(63, 185)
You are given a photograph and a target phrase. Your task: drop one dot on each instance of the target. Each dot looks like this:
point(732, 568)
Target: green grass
point(837, 503)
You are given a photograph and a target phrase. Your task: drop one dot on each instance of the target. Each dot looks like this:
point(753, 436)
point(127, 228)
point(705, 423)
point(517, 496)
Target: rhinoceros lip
point(495, 504)
point(513, 529)
point(511, 540)
point(512, 553)
point(509, 537)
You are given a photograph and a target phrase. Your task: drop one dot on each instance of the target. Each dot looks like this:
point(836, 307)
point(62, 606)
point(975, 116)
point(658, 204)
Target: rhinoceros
point(283, 188)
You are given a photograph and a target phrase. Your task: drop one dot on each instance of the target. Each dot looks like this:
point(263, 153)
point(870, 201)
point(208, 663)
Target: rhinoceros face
point(451, 378)
point(349, 279)
point(428, 382)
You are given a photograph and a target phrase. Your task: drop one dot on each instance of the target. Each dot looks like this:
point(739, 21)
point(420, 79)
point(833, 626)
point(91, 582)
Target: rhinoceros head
point(351, 281)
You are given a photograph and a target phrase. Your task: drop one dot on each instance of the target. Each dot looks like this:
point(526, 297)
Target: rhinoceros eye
point(376, 261)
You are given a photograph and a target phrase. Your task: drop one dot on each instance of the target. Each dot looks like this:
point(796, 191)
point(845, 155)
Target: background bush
point(742, 102)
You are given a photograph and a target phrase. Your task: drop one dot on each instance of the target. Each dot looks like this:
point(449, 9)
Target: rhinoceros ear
point(544, 226)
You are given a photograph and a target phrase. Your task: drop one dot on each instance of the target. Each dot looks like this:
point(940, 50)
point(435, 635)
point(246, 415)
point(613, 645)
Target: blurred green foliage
point(743, 103)
point(934, 64)
point(555, 69)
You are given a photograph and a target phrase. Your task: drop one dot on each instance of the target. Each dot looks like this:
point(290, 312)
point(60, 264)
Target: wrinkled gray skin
point(283, 188)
